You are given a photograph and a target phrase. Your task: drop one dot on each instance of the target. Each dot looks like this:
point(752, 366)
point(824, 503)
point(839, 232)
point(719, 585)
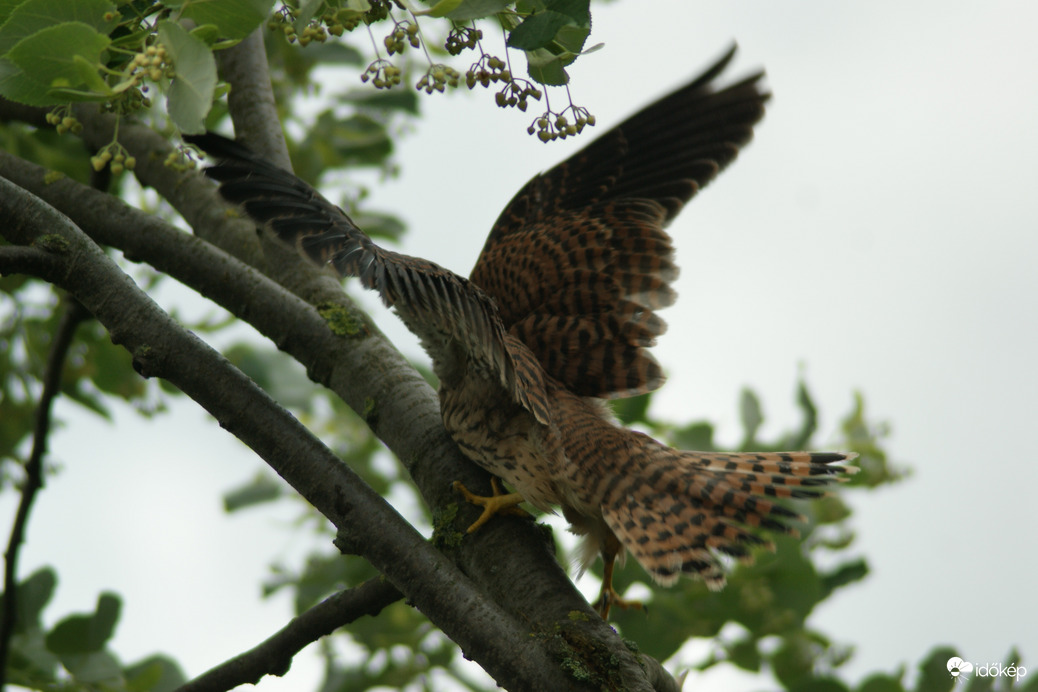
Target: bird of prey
point(556, 318)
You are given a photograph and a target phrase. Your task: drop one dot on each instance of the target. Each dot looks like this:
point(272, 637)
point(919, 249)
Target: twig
point(16, 259)
point(274, 655)
point(74, 314)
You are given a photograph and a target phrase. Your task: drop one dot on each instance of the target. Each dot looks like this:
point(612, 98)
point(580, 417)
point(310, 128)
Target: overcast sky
point(877, 236)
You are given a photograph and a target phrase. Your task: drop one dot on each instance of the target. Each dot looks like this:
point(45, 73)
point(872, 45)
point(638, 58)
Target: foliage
point(73, 654)
point(115, 54)
point(118, 55)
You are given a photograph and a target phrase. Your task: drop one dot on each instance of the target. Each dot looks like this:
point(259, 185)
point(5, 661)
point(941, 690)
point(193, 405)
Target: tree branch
point(73, 314)
point(160, 347)
point(251, 99)
point(15, 259)
point(274, 655)
point(371, 376)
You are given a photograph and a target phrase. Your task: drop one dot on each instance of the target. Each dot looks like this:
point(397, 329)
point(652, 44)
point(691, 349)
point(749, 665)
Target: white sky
point(879, 234)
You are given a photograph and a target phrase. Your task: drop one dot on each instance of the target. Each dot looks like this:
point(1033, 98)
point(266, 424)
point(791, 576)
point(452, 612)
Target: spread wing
point(453, 318)
point(579, 260)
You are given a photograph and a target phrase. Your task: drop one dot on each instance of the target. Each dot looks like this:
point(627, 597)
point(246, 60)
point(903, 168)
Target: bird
point(557, 318)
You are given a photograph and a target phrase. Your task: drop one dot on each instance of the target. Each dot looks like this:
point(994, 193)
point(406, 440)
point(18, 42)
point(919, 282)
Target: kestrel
point(555, 319)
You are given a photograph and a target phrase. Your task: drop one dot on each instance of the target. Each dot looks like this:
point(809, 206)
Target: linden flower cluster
point(313, 31)
point(548, 129)
point(151, 62)
point(404, 33)
point(461, 38)
point(490, 69)
point(382, 73)
point(120, 160)
point(180, 160)
point(64, 122)
point(487, 69)
point(437, 77)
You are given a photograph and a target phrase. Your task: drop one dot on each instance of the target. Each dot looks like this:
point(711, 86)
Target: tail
point(685, 509)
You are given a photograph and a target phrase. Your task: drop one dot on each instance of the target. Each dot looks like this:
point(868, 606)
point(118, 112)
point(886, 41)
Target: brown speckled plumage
point(558, 316)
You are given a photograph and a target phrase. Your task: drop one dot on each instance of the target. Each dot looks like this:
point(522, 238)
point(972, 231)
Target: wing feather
point(591, 230)
point(443, 309)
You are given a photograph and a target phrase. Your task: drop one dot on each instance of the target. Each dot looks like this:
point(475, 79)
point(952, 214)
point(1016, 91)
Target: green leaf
point(443, 8)
point(793, 663)
point(751, 416)
point(579, 11)
point(334, 53)
point(379, 225)
point(565, 23)
point(191, 93)
point(384, 99)
point(36, 58)
point(802, 437)
point(307, 10)
point(845, 574)
point(7, 7)
point(819, 685)
point(322, 576)
point(235, 19)
point(92, 668)
point(881, 682)
point(537, 31)
point(546, 67)
point(86, 634)
point(934, 671)
point(88, 72)
point(699, 436)
point(259, 490)
point(357, 140)
point(17, 86)
point(571, 38)
point(633, 409)
point(32, 16)
point(281, 376)
point(552, 39)
point(154, 674)
point(33, 595)
point(980, 684)
point(112, 370)
point(465, 10)
point(745, 654)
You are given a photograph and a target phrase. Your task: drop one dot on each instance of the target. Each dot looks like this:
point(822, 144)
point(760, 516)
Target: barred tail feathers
point(685, 509)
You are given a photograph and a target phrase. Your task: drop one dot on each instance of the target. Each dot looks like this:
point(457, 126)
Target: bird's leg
point(498, 503)
point(608, 597)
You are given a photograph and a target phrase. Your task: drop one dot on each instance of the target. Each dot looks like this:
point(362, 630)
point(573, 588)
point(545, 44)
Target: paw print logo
point(958, 668)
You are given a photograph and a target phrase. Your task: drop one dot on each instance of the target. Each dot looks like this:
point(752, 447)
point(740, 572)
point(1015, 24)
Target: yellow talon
point(498, 503)
point(608, 597)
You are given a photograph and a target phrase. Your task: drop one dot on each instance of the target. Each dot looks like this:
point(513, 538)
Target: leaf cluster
point(74, 653)
point(118, 54)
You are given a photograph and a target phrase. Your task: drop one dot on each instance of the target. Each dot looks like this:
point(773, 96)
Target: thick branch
point(274, 656)
point(71, 317)
point(161, 347)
